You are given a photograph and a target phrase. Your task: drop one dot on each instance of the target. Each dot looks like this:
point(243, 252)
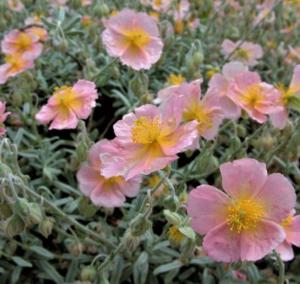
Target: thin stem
point(281, 277)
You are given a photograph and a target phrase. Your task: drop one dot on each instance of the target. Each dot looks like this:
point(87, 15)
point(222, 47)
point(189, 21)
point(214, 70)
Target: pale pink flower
point(21, 42)
point(86, 2)
point(151, 137)
point(161, 5)
point(33, 20)
point(242, 224)
point(14, 65)
point(279, 119)
point(15, 5)
point(254, 96)
point(3, 116)
point(291, 226)
point(69, 104)
point(106, 192)
point(182, 10)
point(219, 87)
point(134, 38)
point(247, 53)
point(205, 110)
point(39, 32)
point(264, 12)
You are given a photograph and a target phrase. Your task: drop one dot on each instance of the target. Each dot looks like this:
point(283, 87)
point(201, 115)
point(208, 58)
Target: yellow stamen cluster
point(146, 130)
point(66, 99)
point(175, 235)
point(16, 63)
point(287, 221)
point(174, 79)
point(253, 96)
point(197, 112)
point(286, 93)
point(137, 38)
point(23, 42)
point(244, 215)
point(242, 53)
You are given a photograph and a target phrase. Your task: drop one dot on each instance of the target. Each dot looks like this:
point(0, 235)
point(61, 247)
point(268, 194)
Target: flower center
point(253, 96)
point(174, 79)
point(66, 99)
point(23, 42)
point(16, 63)
point(199, 113)
point(242, 53)
point(145, 130)
point(244, 215)
point(286, 93)
point(157, 3)
point(175, 235)
point(287, 221)
point(137, 38)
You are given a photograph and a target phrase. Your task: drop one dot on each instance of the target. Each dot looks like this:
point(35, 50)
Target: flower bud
point(14, 226)
point(172, 217)
point(88, 273)
point(35, 215)
point(139, 225)
point(5, 211)
point(75, 248)
point(46, 226)
point(101, 10)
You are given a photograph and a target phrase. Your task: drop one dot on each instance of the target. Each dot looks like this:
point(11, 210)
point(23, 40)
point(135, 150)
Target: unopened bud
point(172, 217)
point(88, 273)
point(46, 226)
point(14, 226)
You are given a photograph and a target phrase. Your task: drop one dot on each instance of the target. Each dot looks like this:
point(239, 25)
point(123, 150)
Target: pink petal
point(293, 232)
point(181, 140)
point(46, 114)
point(131, 187)
point(257, 244)
point(222, 245)
point(107, 196)
point(279, 119)
point(207, 207)
point(286, 251)
point(89, 179)
point(64, 121)
point(244, 177)
point(278, 197)
point(295, 82)
point(233, 69)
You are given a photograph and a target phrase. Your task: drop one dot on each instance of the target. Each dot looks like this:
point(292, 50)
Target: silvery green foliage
point(50, 233)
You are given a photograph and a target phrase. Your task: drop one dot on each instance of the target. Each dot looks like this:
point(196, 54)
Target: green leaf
point(140, 268)
point(188, 232)
point(42, 252)
point(294, 103)
point(21, 262)
point(167, 267)
point(50, 271)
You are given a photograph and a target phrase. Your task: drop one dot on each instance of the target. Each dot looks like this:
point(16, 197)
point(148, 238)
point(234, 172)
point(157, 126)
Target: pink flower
point(247, 52)
point(15, 5)
point(69, 104)
point(291, 226)
point(14, 65)
point(86, 2)
point(205, 110)
point(39, 32)
point(219, 86)
point(151, 137)
point(134, 38)
point(106, 192)
point(23, 43)
point(242, 224)
point(161, 5)
point(279, 119)
point(254, 96)
point(3, 116)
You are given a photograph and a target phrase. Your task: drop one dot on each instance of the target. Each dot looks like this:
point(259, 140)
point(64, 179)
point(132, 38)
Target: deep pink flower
point(205, 110)
point(69, 104)
point(151, 137)
point(242, 224)
point(14, 65)
point(21, 43)
point(15, 5)
point(254, 96)
point(248, 52)
point(106, 192)
point(279, 119)
point(291, 226)
point(134, 38)
point(219, 86)
point(3, 116)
